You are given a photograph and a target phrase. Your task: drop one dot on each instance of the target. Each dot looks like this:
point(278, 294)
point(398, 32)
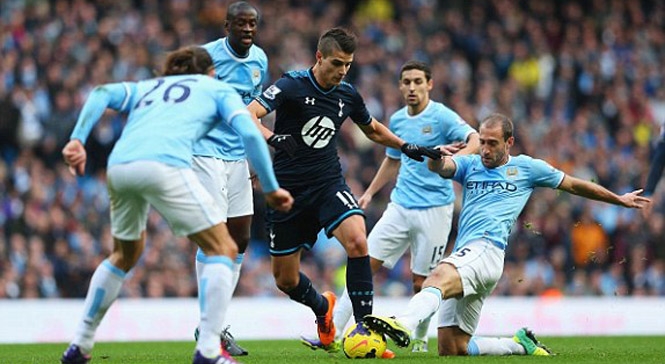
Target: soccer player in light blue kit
point(219, 158)
point(420, 213)
point(496, 186)
point(151, 165)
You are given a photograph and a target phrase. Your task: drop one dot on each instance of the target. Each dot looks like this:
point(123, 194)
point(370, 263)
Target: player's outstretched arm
point(257, 111)
point(387, 172)
point(101, 98)
point(257, 150)
point(379, 133)
point(472, 145)
point(443, 166)
point(595, 191)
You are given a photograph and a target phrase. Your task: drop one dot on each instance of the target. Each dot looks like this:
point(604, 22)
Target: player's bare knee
point(241, 239)
point(284, 281)
point(285, 284)
point(224, 248)
point(229, 249)
point(242, 244)
point(435, 278)
point(239, 230)
point(447, 349)
point(122, 261)
point(356, 246)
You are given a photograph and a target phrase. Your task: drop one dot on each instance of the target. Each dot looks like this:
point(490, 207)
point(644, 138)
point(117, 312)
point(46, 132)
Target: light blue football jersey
point(417, 187)
point(247, 76)
point(168, 115)
point(493, 198)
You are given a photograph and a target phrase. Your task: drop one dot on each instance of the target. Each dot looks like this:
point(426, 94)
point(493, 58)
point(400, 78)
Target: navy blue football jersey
point(313, 116)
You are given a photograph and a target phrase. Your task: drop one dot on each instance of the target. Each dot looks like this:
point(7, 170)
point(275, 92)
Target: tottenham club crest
point(318, 131)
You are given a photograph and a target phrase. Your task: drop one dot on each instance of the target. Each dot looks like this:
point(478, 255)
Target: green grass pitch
point(569, 350)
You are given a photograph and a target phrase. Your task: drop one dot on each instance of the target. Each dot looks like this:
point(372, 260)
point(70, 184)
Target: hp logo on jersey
point(318, 131)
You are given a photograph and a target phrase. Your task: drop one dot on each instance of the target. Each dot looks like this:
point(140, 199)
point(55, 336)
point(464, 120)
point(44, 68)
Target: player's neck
point(414, 110)
point(237, 49)
point(318, 78)
point(505, 160)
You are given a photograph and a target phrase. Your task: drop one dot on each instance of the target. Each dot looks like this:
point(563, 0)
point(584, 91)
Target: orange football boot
point(325, 324)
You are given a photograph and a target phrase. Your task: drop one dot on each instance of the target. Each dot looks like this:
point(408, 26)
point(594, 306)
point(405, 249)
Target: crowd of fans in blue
point(584, 82)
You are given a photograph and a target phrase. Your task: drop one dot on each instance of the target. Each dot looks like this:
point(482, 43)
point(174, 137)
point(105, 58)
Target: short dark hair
point(505, 122)
point(337, 39)
point(416, 65)
point(187, 61)
point(238, 7)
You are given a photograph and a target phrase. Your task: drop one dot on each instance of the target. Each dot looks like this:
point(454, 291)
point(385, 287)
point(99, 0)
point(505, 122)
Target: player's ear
point(319, 56)
point(510, 141)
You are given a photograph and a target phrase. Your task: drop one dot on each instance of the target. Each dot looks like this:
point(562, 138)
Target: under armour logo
point(341, 106)
point(309, 101)
point(365, 303)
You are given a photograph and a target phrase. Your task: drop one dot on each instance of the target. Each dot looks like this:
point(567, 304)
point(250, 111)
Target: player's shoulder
point(258, 53)
point(469, 160)
point(522, 159)
point(214, 46)
point(532, 162)
point(296, 75)
point(399, 115)
point(436, 105)
point(210, 83)
point(440, 109)
point(294, 80)
point(345, 86)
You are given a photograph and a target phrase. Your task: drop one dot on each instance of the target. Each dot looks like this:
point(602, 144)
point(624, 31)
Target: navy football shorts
point(314, 208)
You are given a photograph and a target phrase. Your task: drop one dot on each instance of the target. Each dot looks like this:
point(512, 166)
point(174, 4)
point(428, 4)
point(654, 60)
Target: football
point(359, 342)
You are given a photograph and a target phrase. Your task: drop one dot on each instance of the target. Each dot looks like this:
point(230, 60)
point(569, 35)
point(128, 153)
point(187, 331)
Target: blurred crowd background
point(582, 80)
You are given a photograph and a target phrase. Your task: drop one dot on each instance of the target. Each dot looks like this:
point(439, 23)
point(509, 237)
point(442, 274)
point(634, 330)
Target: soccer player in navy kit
point(311, 106)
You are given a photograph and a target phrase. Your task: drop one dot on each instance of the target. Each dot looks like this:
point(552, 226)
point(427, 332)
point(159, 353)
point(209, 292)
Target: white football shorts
point(175, 193)
point(228, 182)
point(425, 231)
point(480, 265)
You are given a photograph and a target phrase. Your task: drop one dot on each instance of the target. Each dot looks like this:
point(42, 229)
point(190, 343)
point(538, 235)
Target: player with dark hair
point(219, 158)
point(311, 106)
point(496, 187)
point(420, 213)
point(150, 165)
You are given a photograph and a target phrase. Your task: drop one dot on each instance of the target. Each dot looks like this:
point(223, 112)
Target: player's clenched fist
point(417, 152)
point(75, 156)
point(280, 199)
point(283, 142)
